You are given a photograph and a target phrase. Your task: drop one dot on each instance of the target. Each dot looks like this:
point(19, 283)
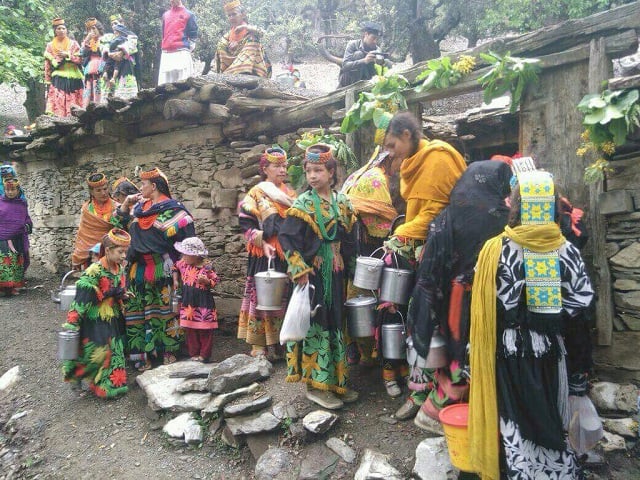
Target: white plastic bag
point(585, 426)
point(297, 320)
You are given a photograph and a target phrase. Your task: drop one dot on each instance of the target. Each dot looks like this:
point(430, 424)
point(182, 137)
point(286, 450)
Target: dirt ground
point(65, 435)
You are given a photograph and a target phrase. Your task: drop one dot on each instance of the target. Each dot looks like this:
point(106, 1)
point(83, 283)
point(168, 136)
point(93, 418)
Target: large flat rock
point(238, 371)
point(161, 384)
point(620, 362)
point(258, 423)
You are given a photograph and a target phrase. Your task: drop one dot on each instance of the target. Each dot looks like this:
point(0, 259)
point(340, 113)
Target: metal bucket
point(65, 294)
point(393, 341)
point(270, 288)
point(437, 356)
point(68, 345)
point(361, 316)
point(368, 272)
point(397, 285)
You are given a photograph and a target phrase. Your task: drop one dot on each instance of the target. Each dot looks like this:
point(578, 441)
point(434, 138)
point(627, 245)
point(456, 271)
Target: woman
point(530, 285)
point(119, 63)
point(240, 50)
point(15, 228)
point(62, 72)
point(261, 213)
point(374, 193)
point(97, 313)
point(429, 170)
point(158, 223)
point(317, 243)
point(91, 53)
point(441, 298)
point(122, 188)
point(98, 215)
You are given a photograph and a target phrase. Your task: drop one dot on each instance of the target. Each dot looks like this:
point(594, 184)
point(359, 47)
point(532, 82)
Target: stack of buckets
point(454, 419)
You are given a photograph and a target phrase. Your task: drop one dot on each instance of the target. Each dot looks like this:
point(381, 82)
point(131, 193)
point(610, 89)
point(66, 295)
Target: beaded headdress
point(231, 6)
point(96, 180)
point(275, 155)
point(56, 22)
point(319, 153)
point(541, 269)
point(119, 237)
point(153, 173)
point(91, 22)
point(537, 193)
point(116, 18)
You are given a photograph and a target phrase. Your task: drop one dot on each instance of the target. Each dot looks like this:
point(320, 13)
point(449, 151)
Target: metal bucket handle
point(374, 252)
point(62, 285)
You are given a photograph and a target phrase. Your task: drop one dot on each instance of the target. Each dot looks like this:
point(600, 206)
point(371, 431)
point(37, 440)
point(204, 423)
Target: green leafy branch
point(442, 73)
point(385, 96)
point(508, 74)
point(608, 118)
point(341, 151)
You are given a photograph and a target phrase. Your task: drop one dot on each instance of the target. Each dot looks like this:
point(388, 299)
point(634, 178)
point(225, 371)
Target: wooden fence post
point(599, 71)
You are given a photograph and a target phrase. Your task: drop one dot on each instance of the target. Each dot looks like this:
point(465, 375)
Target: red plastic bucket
point(454, 419)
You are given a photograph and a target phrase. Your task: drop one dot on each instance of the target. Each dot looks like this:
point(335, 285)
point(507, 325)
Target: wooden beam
point(624, 82)
point(599, 71)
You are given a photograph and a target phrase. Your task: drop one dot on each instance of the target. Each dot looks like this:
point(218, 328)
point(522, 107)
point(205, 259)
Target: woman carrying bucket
point(530, 286)
point(440, 301)
point(261, 214)
point(428, 172)
point(375, 195)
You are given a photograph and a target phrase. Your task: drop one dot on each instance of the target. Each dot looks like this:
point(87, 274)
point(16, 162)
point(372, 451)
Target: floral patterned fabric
point(198, 309)
point(260, 217)
point(97, 312)
point(152, 327)
point(11, 266)
point(320, 359)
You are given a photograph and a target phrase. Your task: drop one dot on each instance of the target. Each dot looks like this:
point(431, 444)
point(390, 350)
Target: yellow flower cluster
point(608, 147)
point(465, 64)
point(581, 151)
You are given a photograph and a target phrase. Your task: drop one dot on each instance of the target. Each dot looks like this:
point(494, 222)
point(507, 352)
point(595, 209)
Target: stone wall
point(621, 205)
point(206, 172)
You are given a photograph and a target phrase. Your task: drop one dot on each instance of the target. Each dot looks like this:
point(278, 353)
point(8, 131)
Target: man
point(179, 33)
point(360, 56)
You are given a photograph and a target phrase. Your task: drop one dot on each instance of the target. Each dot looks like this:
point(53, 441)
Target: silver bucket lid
point(361, 301)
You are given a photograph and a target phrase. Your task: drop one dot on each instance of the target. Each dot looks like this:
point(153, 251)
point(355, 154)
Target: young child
point(95, 253)
point(317, 239)
point(97, 312)
point(198, 314)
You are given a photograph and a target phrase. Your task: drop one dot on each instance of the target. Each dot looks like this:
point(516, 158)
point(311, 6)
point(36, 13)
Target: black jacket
point(354, 67)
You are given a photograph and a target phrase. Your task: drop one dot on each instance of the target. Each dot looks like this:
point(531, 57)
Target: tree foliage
point(24, 31)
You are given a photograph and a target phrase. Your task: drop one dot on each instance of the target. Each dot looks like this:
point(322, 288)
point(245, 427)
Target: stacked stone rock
point(623, 237)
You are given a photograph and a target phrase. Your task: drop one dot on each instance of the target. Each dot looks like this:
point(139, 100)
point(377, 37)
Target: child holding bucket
point(98, 314)
point(316, 237)
point(198, 316)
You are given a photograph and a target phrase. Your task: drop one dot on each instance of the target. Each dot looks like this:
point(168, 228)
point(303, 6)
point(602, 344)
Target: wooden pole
point(600, 71)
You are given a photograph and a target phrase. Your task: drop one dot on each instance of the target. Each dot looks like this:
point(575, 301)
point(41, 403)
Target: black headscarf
point(477, 211)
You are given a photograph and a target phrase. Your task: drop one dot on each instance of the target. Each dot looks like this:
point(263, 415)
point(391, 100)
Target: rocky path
point(50, 431)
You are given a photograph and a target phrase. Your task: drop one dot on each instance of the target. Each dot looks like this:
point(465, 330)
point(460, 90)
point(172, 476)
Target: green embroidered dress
point(316, 238)
point(98, 313)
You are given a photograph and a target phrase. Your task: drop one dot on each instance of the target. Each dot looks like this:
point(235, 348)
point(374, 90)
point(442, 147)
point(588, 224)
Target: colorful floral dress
point(152, 328)
point(14, 241)
point(126, 84)
point(65, 79)
point(97, 312)
point(316, 237)
point(261, 214)
point(94, 84)
point(198, 315)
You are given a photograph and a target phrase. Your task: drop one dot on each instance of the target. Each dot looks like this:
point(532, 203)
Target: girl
point(198, 314)
point(98, 313)
point(316, 236)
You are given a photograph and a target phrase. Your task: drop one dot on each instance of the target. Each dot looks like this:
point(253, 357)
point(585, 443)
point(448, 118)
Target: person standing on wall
point(360, 56)
point(179, 33)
